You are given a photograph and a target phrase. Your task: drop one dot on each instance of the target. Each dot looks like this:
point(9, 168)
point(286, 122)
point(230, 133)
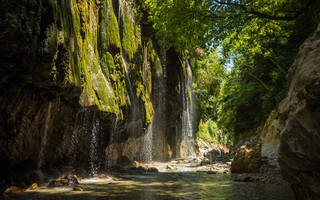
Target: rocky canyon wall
point(299, 153)
point(81, 83)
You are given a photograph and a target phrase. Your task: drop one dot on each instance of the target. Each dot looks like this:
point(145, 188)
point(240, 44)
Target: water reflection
point(181, 185)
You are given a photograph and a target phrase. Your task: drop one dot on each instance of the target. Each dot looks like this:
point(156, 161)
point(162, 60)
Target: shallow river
point(181, 184)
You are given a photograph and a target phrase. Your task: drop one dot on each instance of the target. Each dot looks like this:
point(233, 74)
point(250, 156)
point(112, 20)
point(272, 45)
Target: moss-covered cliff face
point(56, 43)
point(81, 81)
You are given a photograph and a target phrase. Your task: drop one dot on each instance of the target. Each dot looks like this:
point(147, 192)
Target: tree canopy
point(260, 37)
point(238, 25)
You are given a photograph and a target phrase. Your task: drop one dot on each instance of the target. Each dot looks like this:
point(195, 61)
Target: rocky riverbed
point(179, 179)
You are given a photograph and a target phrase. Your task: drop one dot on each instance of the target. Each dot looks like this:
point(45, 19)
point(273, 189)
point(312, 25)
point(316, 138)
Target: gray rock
point(299, 153)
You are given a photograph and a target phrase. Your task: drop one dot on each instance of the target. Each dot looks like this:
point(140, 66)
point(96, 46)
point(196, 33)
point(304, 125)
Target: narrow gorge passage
point(159, 99)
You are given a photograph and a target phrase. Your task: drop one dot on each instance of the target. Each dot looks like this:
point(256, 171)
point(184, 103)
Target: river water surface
point(184, 183)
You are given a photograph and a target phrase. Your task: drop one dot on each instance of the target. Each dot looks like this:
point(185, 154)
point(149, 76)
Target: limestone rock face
point(270, 136)
point(299, 153)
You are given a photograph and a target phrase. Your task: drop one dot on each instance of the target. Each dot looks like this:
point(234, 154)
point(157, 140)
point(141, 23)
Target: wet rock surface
point(299, 153)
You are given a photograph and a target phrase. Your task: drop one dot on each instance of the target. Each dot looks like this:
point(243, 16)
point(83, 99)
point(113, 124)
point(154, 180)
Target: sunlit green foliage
point(260, 37)
point(208, 76)
point(257, 82)
point(239, 25)
point(209, 131)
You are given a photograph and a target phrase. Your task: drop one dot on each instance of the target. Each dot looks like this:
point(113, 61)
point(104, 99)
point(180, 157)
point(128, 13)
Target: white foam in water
point(94, 180)
point(184, 167)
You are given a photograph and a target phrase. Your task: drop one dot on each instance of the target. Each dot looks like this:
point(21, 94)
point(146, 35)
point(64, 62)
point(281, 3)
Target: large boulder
point(299, 153)
point(247, 159)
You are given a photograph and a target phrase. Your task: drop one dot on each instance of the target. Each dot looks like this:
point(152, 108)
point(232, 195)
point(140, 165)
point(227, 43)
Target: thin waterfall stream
point(94, 162)
point(44, 138)
point(147, 144)
point(131, 94)
point(132, 97)
point(119, 13)
point(160, 103)
point(187, 137)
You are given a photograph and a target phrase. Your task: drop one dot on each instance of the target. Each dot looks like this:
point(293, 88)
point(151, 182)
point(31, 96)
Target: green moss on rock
point(131, 39)
point(109, 31)
point(83, 41)
point(157, 67)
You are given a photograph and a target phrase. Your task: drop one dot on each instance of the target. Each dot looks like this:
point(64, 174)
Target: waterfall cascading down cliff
point(94, 160)
point(186, 138)
point(159, 101)
point(131, 93)
point(44, 138)
point(87, 142)
point(85, 93)
point(147, 156)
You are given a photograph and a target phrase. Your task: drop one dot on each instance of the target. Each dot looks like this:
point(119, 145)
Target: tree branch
point(255, 77)
point(267, 16)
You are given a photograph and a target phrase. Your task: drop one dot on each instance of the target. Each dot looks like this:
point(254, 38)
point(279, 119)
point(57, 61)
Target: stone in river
point(33, 186)
point(152, 169)
point(77, 188)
